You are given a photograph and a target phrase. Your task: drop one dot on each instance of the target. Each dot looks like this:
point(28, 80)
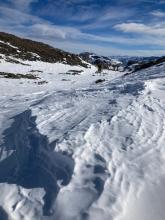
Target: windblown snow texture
point(33, 164)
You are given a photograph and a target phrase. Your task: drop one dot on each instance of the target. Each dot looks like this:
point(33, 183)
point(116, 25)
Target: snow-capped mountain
point(76, 144)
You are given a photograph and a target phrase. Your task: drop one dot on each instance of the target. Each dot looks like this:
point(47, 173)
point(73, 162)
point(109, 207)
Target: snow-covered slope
point(76, 149)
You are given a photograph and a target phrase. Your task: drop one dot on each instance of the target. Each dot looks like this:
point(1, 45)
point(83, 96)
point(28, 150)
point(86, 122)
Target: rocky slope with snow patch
point(24, 49)
point(102, 61)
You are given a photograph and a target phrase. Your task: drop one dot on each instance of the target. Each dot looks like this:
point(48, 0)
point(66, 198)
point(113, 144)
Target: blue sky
point(107, 27)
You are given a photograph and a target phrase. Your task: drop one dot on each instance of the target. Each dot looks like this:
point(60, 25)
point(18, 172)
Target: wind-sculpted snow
point(115, 134)
point(33, 164)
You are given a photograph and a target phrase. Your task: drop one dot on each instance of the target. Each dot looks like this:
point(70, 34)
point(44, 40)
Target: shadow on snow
point(33, 163)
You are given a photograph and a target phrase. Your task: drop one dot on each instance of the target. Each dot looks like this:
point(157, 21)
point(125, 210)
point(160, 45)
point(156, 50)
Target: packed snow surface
point(107, 138)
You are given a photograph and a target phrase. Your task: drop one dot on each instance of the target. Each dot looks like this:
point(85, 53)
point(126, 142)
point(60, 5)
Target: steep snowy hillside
point(78, 145)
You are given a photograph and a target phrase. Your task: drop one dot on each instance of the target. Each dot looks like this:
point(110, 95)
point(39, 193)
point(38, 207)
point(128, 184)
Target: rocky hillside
point(103, 61)
point(24, 49)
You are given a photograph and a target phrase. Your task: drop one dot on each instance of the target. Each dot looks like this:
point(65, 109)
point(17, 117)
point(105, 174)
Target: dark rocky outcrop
point(18, 76)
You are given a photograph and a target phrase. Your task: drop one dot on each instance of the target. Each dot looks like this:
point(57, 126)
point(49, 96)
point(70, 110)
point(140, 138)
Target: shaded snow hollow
point(76, 150)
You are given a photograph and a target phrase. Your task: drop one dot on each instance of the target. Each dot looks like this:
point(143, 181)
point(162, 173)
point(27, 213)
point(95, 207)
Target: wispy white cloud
point(23, 5)
point(46, 30)
point(158, 13)
point(139, 28)
point(55, 31)
point(108, 50)
point(12, 16)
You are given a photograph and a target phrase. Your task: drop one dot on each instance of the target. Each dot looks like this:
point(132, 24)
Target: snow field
point(115, 132)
